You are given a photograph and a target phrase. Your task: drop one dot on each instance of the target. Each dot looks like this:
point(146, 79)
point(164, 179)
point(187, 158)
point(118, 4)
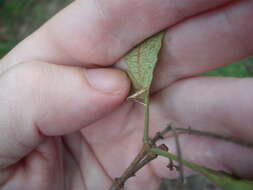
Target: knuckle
point(24, 80)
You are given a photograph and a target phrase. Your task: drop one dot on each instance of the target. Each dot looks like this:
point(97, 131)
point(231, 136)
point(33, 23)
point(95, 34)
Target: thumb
point(41, 99)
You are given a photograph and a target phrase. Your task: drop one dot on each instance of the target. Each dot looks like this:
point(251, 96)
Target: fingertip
point(109, 81)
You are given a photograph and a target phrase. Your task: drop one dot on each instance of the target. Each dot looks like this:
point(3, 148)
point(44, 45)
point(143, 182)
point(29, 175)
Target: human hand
point(60, 132)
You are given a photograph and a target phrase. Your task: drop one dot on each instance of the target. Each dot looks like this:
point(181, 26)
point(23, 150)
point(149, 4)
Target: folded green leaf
point(220, 178)
point(141, 62)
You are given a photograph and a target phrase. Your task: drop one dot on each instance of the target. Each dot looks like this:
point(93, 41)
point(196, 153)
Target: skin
point(64, 120)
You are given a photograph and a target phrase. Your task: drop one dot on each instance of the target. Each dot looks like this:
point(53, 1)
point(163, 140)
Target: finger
point(42, 164)
point(213, 103)
point(40, 99)
point(219, 105)
point(206, 42)
point(89, 164)
point(97, 32)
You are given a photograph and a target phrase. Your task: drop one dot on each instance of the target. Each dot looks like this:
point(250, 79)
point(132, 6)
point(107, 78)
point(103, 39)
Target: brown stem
point(161, 135)
point(171, 165)
point(149, 157)
point(142, 159)
point(216, 136)
point(180, 162)
point(145, 161)
point(129, 172)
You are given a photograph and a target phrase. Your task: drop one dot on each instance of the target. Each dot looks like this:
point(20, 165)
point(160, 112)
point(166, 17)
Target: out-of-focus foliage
point(18, 18)
point(238, 69)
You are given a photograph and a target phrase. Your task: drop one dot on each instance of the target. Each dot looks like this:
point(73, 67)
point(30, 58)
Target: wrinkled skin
point(59, 130)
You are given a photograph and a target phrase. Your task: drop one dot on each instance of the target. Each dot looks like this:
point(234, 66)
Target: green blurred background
point(18, 18)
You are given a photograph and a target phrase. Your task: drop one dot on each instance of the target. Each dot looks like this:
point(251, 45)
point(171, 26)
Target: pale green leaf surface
point(220, 178)
point(141, 62)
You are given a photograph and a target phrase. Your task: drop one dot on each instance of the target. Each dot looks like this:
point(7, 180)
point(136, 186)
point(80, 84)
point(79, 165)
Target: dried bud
point(164, 147)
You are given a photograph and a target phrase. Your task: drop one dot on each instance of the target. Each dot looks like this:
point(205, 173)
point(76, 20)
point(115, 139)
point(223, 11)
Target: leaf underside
point(141, 63)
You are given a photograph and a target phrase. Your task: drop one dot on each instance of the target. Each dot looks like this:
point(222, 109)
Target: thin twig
point(142, 159)
point(149, 157)
point(161, 135)
point(191, 131)
point(180, 162)
point(129, 172)
point(119, 182)
point(145, 161)
point(171, 165)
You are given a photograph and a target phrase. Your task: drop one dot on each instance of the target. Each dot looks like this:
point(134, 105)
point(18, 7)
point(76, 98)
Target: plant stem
point(145, 161)
point(161, 135)
point(216, 136)
point(220, 178)
point(146, 118)
point(142, 159)
point(195, 167)
point(130, 171)
point(168, 155)
point(179, 155)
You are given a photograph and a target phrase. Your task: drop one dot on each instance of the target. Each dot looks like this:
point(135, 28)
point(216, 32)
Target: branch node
point(159, 135)
point(164, 147)
point(172, 166)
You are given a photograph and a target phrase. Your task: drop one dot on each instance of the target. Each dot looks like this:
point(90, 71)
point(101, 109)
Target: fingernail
point(106, 80)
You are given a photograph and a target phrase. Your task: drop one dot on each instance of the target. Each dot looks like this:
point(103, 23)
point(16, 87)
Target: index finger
point(99, 32)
